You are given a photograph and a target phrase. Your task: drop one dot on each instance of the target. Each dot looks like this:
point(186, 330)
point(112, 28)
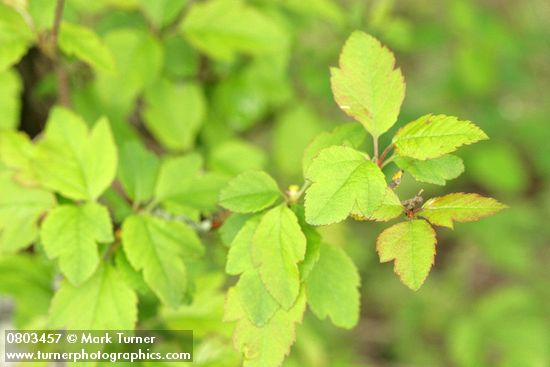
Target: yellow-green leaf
point(435, 171)
point(86, 45)
point(223, 28)
point(366, 85)
point(343, 181)
point(432, 136)
point(174, 125)
point(277, 246)
point(176, 176)
point(259, 305)
point(390, 208)
point(239, 257)
point(236, 156)
point(11, 86)
point(139, 58)
point(331, 287)
point(15, 36)
point(72, 233)
point(264, 346)
point(20, 209)
point(138, 170)
point(162, 12)
point(459, 207)
point(104, 302)
point(250, 192)
point(73, 161)
point(349, 135)
point(411, 245)
point(158, 248)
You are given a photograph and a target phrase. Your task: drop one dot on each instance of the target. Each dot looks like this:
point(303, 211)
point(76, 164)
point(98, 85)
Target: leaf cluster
point(126, 213)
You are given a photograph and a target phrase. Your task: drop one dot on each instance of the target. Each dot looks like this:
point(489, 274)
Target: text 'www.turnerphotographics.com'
point(98, 345)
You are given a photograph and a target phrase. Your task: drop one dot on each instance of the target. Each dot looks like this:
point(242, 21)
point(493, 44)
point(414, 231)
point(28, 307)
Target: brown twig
point(384, 154)
point(63, 90)
point(57, 21)
point(64, 95)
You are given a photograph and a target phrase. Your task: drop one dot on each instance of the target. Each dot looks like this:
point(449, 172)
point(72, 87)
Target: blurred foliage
point(251, 79)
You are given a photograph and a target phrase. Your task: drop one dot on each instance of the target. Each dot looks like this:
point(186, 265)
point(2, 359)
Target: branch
point(63, 89)
point(57, 22)
point(61, 74)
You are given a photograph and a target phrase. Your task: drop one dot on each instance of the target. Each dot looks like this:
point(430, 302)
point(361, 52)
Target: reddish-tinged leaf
point(412, 245)
point(459, 207)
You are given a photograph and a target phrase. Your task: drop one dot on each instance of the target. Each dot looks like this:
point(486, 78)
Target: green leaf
point(223, 28)
point(344, 181)
point(182, 188)
point(11, 86)
point(250, 192)
point(176, 176)
point(204, 315)
point(290, 142)
point(15, 36)
point(246, 97)
point(27, 279)
point(234, 156)
point(201, 197)
point(255, 299)
point(459, 207)
point(130, 275)
point(231, 227)
point(366, 85)
point(350, 135)
point(329, 10)
point(104, 302)
point(162, 12)
point(158, 248)
point(16, 151)
point(72, 161)
point(42, 14)
point(20, 210)
point(181, 60)
point(435, 171)
point(117, 203)
point(239, 257)
point(390, 208)
point(84, 43)
point(277, 246)
point(174, 125)
point(433, 136)
point(332, 287)
point(72, 233)
point(264, 346)
point(313, 243)
point(412, 245)
point(139, 58)
point(137, 171)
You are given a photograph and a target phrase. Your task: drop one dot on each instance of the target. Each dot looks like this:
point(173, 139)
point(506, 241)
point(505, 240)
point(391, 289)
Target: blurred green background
point(487, 299)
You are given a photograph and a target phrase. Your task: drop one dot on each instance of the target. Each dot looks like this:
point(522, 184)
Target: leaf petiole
point(387, 161)
point(384, 154)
